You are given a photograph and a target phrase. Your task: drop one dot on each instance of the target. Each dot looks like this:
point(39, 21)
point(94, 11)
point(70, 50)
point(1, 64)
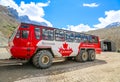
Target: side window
point(95, 39)
point(90, 39)
point(70, 36)
point(82, 37)
point(59, 35)
point(37, 33)
point(77, 37)
point(24, 34)
point(85, 38)
point(47, 34)
point(51, 34)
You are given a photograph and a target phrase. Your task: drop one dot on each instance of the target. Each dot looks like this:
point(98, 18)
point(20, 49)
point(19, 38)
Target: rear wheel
point(91, 55)
point(43, 59)
point(82, 56)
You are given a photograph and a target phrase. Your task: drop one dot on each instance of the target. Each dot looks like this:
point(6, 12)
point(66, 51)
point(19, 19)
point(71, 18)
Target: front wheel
point(42, 59)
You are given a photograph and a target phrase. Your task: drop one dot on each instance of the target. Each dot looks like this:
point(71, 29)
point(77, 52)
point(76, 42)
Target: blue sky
point(77, 15)
point(65, 12)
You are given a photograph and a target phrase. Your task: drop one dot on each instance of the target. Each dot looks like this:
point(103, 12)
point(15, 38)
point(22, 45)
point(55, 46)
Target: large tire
point(91, 55)
point(82, 56)
point(42, 59)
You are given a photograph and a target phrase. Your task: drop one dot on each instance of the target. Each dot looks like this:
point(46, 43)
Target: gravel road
point(106, 68)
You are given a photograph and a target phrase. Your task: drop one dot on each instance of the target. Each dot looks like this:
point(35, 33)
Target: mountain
point(13, 12)
point(111, 34)
point(7, 22)
point(7, 25)
point(113, 25)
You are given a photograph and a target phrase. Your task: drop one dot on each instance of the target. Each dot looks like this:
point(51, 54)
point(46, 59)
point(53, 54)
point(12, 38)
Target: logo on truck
point(65, 50)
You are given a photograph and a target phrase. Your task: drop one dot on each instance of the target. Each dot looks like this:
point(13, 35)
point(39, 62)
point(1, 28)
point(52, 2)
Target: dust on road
point(106, 68)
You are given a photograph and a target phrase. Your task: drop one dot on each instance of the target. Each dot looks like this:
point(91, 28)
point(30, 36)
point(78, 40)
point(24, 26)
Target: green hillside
point(7, 22)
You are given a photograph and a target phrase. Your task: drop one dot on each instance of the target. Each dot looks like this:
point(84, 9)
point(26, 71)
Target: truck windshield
point(12, 35)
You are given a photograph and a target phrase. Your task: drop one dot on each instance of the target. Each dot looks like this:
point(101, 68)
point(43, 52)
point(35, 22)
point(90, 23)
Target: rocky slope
point(7, 22)
point(112, 34)
point(7, 25)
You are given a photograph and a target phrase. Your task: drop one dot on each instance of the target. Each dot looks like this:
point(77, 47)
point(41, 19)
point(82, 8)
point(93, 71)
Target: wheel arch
point(86, 49)
point(39, 49)
point(90, 49)
point(49, 49)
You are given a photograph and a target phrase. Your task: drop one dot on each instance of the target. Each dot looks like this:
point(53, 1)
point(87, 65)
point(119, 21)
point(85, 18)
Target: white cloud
point(111, 16)
point(33, 10)
point(10, 3)
point(79, 28)
point(90, 5)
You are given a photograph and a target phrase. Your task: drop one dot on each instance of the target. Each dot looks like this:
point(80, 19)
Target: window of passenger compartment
point(37, 33)
point(70, 36)
point(59, 35)
point(77, 37)
point(94, 39)
point(47, 34)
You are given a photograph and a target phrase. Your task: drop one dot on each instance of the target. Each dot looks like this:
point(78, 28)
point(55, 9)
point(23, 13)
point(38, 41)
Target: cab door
point(23, 38)
point(25, 41)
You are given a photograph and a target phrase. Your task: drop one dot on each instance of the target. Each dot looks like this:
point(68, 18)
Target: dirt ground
point(106, 68)
point(4, 54)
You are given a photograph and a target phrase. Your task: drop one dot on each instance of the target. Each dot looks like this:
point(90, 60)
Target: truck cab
point(20, 43)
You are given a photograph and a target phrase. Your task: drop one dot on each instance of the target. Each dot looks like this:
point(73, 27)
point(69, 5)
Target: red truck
point(43, 44)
